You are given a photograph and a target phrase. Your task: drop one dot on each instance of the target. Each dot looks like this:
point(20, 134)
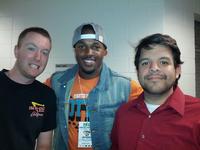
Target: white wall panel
point(125, 22)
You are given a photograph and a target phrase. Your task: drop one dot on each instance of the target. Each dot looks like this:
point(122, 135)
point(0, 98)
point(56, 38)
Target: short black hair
point(39, 30)
point(86, 29)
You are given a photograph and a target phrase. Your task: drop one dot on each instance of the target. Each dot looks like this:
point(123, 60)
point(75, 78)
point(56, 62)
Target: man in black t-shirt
point(28, 107)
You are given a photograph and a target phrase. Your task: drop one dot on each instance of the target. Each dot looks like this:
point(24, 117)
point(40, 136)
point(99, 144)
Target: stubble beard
point(159, 90)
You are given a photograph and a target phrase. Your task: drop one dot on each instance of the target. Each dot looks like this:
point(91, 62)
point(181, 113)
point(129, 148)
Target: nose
point(89, 51)
point(38, 55)
point(154, 67)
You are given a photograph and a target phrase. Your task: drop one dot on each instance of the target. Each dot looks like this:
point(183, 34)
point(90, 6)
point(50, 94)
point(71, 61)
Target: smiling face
point(89, 54)
point(32, 55)
point(157, 72)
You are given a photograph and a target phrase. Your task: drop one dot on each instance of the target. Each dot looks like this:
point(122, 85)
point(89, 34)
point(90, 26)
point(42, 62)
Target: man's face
point(156, 72)
point(89, 54)
point(32, 55)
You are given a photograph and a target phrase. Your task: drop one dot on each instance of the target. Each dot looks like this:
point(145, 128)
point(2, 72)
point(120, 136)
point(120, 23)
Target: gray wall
point(125, 22)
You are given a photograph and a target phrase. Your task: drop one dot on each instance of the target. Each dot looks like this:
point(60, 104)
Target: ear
point(16, 51)
point(105, 52)
point(178, 71)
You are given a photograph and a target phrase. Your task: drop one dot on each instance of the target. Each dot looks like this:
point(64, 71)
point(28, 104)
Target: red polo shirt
point(175, 125)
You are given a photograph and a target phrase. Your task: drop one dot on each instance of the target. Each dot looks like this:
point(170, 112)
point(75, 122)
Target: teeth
point(34, 66)
point(89, 61)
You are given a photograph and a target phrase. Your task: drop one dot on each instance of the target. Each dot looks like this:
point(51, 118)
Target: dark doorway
point(197, 57)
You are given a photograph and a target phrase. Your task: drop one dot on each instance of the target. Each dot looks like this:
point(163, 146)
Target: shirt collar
point(176, 101)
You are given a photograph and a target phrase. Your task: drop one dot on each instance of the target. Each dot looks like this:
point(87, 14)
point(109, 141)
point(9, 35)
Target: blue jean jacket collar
point(103, 77)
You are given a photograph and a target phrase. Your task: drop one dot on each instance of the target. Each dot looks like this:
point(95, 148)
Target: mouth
point(34, 66)
point(156, 77)
point(89, 61)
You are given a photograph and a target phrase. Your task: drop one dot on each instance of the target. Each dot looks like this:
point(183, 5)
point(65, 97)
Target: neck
point(16, 76)
point(86, 75)
point(157, 99)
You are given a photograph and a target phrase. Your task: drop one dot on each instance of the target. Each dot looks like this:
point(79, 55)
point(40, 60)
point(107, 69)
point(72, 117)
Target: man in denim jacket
point(88, 94)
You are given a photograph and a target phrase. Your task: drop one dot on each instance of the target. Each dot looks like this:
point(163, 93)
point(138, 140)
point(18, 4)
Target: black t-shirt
point(25, 111)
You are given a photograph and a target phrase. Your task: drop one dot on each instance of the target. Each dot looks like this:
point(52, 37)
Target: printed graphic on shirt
point(77, 114)
point(77, 109)
point(36, 109)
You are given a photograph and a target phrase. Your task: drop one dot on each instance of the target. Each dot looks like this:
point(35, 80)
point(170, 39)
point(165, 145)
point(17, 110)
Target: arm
point(136, 90)
point(114, 135)
point(44, 140)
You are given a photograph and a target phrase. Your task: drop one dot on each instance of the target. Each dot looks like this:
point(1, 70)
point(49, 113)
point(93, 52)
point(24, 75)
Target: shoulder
point(46, 94)
point(58, 74)
point(2, 72)
point(192, 104)
point(128, 106)
point(126, 109)
point(107, 71)
point(115, 76)
point(66, 74)
point(192, 108)
point(190, 100)
point(42, 87)
point(123, 83)
point(136, 89)
point(120, 76)
point(58, 77)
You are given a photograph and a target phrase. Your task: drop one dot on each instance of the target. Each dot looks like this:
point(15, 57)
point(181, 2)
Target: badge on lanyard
point(84, 135)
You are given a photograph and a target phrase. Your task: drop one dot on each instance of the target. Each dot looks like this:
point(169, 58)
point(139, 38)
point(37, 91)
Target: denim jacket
point(111, 91)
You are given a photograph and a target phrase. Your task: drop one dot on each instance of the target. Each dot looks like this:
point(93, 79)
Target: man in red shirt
point(162, 118)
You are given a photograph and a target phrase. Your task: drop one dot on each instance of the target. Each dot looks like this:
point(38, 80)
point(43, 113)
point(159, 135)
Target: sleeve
point(136, 90)
point(50, 112)
point(48, 82)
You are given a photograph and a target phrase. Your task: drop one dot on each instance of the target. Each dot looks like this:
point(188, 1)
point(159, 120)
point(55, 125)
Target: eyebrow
point(143, 59)
point(31, 44)
point(165, 58)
